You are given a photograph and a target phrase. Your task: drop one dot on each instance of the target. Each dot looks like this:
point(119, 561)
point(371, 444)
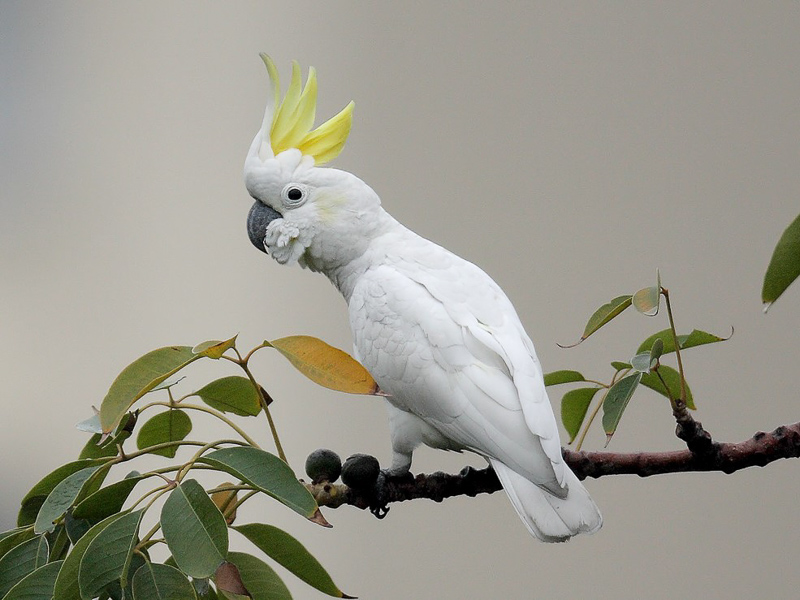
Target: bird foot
point(379, 506)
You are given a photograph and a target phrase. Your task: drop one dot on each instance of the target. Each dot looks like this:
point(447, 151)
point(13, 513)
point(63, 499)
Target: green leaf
point(620, 366)
point(172, 425)
point(138, 378)
point(90, 425)
point(267, 473)
point(642, 362)
point(559, 377)
point(195, 530)
point(646, 361)
point(784, 266)
point(103, 446)
point(232, 394)
point(666, 338)
point(204, 590)
point(292, 555)
point(695, 338)
point(67, 587)
point(154, 581)
point(215, 348)
point(700, 338)
point(21, 560)
point(61, 498)
point(656, 350)
point(34, 499)
point(75, 528)
point(120, 590)
point(169, 382)
point(261, 581)
point(617, 401)
point(574, 405)
point(604, 314)
point(325, 365)
point(97, 447)
point(108, 500)
point(233, 596)
point(673, 381)
point(37, 585)
point(43, 553)
point(14, 537)
point(108, 555)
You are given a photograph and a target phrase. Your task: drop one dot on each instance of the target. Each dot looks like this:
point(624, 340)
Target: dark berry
point(323, 465)
point(360, 471)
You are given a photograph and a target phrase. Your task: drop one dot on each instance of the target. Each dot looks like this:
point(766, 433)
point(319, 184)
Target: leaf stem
point(264, 344)
point(212, 412)
point(232, 502)
point(665, 293)
point(160, 472)
point(664, 383)
point(597, 383)
point(60, 545)
point(263, 399)
point(153, 448)
point(238, 502)
point(157, 490)
point(598, 406)
point(231, 488)
point(144, 542)
point(591, 419)
point(190, 464)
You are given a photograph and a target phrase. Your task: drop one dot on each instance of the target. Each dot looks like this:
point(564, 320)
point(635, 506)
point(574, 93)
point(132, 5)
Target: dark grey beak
point(259, 217)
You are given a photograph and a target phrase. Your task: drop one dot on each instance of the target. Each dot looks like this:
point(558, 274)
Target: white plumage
point(444, 341)
point(438, 335)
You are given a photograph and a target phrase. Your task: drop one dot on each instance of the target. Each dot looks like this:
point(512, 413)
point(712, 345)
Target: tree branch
point(758, 451)
point(702, 454)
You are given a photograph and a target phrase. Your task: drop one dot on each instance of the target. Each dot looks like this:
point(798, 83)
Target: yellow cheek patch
point(289, 121)
point(328, 206)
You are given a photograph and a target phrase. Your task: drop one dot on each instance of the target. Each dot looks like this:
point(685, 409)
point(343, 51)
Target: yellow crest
point(289, 121)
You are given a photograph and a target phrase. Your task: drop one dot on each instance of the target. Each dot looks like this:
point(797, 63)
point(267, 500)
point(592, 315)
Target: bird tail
point(549, 518)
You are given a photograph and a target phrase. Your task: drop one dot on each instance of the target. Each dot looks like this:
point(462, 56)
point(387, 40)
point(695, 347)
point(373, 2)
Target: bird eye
point(294, 195)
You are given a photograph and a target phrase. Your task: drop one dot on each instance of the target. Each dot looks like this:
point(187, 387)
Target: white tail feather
point(549, 518)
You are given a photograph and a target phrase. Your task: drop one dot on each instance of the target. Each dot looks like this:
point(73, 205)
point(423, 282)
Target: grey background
point(569, 149)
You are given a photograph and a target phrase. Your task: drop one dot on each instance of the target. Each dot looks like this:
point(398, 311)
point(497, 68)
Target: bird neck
point(371, 254)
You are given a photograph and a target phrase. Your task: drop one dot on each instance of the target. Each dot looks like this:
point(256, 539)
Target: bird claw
point(470, 471)
point(397, 475)
point(466, 472)
point(380, 494)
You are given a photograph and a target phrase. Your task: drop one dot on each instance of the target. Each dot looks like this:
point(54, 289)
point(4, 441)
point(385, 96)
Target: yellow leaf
point(325, 365)
point(224, 501)
point(215, 348)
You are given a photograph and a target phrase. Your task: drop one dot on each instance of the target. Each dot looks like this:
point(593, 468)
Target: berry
point(323, 465)
point(360, 471)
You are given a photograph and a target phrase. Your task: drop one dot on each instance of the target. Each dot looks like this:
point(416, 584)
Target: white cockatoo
point(438, 335)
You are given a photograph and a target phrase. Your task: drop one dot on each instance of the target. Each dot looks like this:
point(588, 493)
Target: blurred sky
point(569, 149)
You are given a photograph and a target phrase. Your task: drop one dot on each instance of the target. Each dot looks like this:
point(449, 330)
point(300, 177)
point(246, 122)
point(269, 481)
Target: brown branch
point(702, 454)
point(758, 451)
point(697, 439)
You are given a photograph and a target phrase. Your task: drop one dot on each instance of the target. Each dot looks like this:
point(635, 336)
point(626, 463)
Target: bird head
point(304, 212)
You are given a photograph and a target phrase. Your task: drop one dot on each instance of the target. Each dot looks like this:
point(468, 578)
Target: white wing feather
point(441, 337)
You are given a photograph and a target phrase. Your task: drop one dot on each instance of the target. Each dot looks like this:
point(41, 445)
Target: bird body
point(439, 336)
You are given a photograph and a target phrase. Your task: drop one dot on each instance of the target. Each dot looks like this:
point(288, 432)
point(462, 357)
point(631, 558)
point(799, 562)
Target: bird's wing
point(443, 339)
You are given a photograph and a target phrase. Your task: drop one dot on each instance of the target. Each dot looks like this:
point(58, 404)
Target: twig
point(757, 451)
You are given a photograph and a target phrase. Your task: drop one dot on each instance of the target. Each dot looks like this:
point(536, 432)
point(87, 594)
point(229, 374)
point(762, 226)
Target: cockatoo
point(438, 335)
